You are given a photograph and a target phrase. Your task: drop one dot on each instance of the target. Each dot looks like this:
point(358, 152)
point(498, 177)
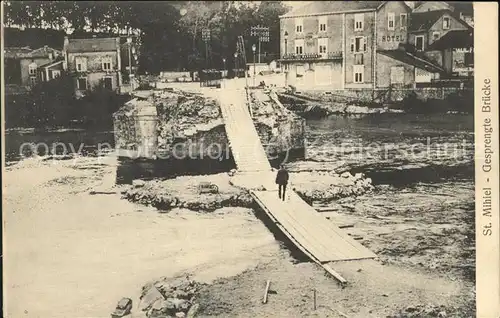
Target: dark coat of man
point(282, 176)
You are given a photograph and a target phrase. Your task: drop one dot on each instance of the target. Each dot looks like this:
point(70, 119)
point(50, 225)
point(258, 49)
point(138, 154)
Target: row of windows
point(81, 64)
point(53, 74)
point(358, 44)
point(359, 22)
point(82, 83)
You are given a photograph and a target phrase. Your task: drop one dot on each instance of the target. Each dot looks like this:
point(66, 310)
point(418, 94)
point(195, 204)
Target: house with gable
point(462, 9)
point(350, 45)
point(23, 65)
point(429, 26)
point(93, 62)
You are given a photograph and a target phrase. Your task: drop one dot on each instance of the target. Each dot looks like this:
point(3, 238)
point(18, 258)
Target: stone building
point(22, 65)
point(350, 45)
point(429, 26)
point(93, 62)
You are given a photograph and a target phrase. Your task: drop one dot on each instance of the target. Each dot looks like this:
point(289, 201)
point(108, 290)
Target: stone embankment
point(191, 192)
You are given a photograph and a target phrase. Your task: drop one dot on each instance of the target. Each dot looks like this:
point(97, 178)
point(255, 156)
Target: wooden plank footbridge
point(312, 233)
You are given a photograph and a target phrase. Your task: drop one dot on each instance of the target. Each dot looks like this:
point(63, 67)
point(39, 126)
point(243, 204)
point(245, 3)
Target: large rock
point(149, 297)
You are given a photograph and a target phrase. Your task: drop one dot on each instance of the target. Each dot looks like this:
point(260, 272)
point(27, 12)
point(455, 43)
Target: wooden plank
point(351, 246)
point(311, 227)
point(266, 292)
point(316, 243)
point(337, 276)
point(294, 229)
point(333, 240)
point(308, 232)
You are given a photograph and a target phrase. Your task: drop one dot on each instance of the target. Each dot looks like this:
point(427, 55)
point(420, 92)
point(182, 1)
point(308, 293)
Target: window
point(322, 45)
point(108, 83)
point(446, 23)
point(81, 64)
point(359, 19)
point(299, 46)
point(33, 80)
point(358, 72)
point(32, 68)
point(106, 64)
point(298, 26)
point(81, 83)
point(390, 20)
point(56, 74)
point(359, 59)
point(419, 42)
point(435, 35)
point(358, 44)
point(468, 59)
point(322, 24)
point(404, 20)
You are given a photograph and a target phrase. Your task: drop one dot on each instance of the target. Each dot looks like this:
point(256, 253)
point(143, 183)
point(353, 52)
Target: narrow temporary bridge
point(312, 233)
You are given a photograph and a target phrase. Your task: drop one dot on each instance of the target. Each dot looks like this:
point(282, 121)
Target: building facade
point(93, 63)
point(349, 45)
point(22, 65)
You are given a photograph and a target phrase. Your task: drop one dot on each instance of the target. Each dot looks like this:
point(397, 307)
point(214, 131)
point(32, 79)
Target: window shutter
point(352, 45)
point(365, 40)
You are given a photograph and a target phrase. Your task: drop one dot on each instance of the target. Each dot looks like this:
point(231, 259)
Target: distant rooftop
point(423, 21)
point(318, 7)
point(92, 45)
point(26, 52)
point(453, 40)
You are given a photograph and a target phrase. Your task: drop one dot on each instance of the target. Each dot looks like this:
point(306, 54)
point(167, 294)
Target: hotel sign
point(463, 60)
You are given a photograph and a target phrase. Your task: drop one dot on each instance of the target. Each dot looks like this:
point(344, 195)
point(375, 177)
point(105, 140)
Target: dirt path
point(71, 254)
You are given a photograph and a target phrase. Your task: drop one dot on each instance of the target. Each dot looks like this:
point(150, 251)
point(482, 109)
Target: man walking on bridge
point(282, 181)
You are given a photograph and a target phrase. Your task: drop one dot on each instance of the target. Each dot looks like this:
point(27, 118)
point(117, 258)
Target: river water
point(390, 148)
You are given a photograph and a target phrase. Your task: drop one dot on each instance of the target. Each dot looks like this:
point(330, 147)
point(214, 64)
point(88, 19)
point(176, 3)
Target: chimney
point(66, 42)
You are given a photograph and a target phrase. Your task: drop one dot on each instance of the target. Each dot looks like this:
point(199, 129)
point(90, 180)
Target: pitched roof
point(454, 39)
point(15, 52)
point(92, 45)
point(26, 52)
point(52, 63)
point(43, 52)
point(412, 59)
point(423, 21)
point(321, 7)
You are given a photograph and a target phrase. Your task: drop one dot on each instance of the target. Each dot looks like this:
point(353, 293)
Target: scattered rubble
point(170, 298)
point(432, 311)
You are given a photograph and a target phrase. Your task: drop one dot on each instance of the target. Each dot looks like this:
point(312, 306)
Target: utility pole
point(262, 33)
point(205, 35)
point(236, 64)
point(129, 44)
point(253, 50)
